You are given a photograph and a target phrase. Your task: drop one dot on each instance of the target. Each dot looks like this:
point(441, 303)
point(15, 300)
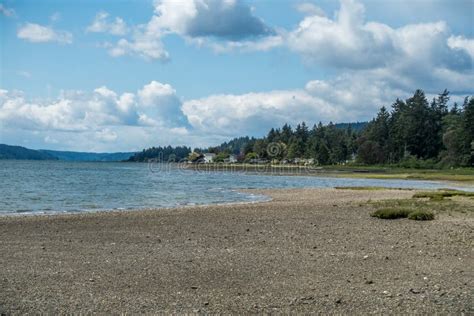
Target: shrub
point(391, 213)
point(421, 216)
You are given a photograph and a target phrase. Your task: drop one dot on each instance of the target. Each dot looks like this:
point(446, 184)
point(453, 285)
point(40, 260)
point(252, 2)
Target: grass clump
point(366, 188)
point(421, 216)
point(391, 213)
point(394, 213)
point(440, 195)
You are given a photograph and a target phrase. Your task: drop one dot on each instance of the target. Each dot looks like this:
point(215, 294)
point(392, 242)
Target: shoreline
point(368, 172)
point(265, 198)
point(306, 250)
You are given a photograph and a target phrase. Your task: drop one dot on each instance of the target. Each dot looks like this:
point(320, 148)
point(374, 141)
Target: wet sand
point(307, 250)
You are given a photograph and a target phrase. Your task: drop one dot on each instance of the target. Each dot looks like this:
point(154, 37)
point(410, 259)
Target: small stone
point(415, 291)
point(339, 301)
point(365, 257)
point(194, 287)
point(206, 303)
point(369, 282)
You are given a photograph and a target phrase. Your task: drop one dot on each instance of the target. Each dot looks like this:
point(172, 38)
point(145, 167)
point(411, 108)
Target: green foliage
point(395, 213)
point(421, 216)
point(440, 195)
point(391, 213)
point(416, 134)
point(162, 154)
point(250, 156)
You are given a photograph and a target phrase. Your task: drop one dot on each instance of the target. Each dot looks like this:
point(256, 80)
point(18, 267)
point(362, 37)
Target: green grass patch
point(395, 213)
point(440, 195)
point(392, 213)
point(366, 188)
point(421, 216)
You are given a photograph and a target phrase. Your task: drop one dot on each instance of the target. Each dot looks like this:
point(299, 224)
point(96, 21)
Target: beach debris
point(415, 291)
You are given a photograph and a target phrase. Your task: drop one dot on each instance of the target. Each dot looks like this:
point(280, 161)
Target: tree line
point(413, 133)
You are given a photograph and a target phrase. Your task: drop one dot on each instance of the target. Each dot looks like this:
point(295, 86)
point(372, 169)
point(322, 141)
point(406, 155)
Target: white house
point(209, 157)
point(231, 159)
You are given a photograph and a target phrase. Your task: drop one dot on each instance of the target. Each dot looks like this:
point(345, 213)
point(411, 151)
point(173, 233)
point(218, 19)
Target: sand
point(307, 250)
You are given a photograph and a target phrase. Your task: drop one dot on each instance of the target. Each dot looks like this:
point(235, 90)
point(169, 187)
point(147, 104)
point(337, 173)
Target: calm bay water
point(59, 186)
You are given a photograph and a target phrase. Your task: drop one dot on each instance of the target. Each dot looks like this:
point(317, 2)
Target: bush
point(421, 216)
point(391, 213)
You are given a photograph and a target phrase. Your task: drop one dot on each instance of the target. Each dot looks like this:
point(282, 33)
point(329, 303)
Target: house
point(209, 157)
point(231, 159)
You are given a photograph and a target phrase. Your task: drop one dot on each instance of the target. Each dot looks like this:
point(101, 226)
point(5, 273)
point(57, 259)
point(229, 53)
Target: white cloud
point(160, 101)
point(424, 53)
point(36, 33)
point(145, 43)
point(101, 24)
point(310, 9)
point(221, 25)
point(462, 43)
point(98, 120)
point(6, 11)
point(230, 20)
point(346, 98)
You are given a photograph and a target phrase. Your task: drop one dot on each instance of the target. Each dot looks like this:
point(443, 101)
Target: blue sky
point(123, 75)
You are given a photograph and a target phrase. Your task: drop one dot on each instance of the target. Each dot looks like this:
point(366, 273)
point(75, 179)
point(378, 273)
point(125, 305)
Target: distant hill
point(18, 152)
point(88, 156)
point(22, 153)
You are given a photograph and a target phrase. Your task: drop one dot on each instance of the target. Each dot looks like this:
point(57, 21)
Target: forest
point(413, 133)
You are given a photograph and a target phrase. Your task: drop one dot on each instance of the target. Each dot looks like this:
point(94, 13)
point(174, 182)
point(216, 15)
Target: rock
point(415, 291)
point(339, 301)
point(369, 282)
point(194, 287)
point(365, 257)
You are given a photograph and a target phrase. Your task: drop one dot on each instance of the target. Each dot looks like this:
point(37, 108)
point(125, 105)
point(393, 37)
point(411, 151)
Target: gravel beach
point(307, 250)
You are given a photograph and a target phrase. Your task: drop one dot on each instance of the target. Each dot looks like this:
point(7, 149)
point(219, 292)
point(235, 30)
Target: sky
point(124, 75)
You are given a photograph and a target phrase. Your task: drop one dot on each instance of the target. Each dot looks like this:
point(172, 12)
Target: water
point(42, 187)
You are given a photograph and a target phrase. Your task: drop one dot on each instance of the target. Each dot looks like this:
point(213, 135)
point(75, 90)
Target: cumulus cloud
point(230, 19)
point(36, 33)
point(414, 53)
point(97, 120)
point(310, 9)
point(221, 25)
point(346, 98)
point(462, 43)
point(102, 24)
point(80, 111)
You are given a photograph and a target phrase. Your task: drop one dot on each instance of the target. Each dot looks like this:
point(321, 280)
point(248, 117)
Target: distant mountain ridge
point(88, 156)
point(23, 153)
point(18, 152)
